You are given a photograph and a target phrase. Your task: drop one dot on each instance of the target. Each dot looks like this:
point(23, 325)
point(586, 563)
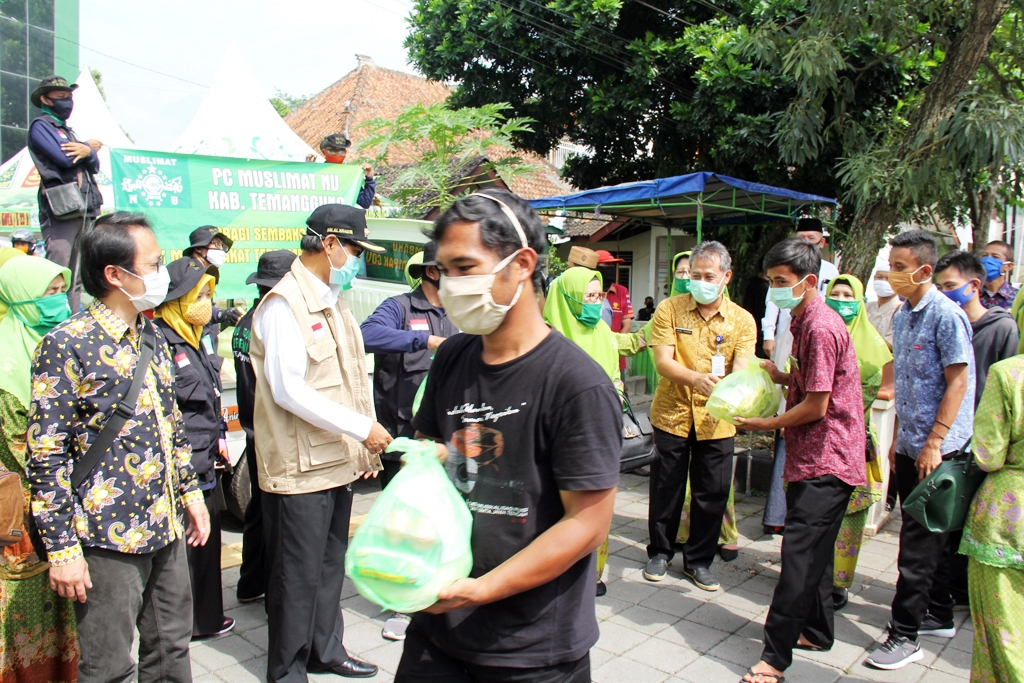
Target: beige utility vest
point(292, 455)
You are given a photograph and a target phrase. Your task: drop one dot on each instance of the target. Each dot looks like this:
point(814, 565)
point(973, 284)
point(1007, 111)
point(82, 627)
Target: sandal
point(778, 678)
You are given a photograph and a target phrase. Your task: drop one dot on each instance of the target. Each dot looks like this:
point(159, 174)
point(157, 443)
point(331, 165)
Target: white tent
point(19, 180)
point(237, 120)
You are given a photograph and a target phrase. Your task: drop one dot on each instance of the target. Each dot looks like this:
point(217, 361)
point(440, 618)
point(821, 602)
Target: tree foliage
point(454, 150)
point(858, 101)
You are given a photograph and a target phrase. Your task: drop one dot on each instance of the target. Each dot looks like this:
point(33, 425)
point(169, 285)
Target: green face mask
point(681, 286)
point(589, 314)
point(53, 310)
point(847, 310)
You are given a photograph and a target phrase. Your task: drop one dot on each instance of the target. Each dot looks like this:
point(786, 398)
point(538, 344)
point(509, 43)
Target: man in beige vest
point(315, 433)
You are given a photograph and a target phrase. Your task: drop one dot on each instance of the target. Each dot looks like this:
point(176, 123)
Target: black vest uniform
point(397, 376)
point(52, 175)
point(197, 384)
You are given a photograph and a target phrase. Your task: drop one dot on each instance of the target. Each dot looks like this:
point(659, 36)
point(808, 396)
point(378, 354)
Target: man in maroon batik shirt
point(825, 448)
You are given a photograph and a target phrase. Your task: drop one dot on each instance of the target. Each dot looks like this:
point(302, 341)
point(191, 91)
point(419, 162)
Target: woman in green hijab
point(6, 254)
point(37, 627)
point(845, 295)
point(573, 307)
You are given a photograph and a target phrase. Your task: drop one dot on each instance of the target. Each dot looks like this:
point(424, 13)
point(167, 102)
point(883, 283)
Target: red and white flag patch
point(182, 360)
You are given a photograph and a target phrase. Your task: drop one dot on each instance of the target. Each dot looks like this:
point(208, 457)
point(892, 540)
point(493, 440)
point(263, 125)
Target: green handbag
point(941, 501)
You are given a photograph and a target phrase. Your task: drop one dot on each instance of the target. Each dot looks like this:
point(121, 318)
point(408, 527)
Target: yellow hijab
point(872, 353)
point(173, 311)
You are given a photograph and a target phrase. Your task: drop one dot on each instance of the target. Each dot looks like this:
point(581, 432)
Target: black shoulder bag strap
point(123, 411)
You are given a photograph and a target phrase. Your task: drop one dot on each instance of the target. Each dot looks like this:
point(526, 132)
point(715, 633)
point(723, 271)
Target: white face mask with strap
point(468, 300)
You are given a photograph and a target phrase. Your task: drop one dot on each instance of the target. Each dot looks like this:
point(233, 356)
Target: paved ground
point(651, 633)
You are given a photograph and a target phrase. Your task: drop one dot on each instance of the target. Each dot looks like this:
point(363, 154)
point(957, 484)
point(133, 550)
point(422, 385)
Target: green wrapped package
point(416, 538)
point(749, 392)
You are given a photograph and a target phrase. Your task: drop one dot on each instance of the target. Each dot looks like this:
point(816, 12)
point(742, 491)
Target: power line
point(137, 66)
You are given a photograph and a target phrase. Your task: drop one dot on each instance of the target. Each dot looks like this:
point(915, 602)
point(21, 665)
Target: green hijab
point(672, 274)
point(23, 280)
point(560, 312)
point(872, 353)
point(6, 254)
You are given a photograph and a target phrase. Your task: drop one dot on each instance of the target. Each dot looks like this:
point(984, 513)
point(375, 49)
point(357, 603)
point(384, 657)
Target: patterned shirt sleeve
point(188, 480)
point(52, 417)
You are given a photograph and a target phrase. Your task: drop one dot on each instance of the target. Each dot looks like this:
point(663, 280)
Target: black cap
point(809, 225)
point(272, 266)
point(185, 275)
point(429, 259)
point(344, 222)
point(48, 85)
point(202, 236)
point(337, 141)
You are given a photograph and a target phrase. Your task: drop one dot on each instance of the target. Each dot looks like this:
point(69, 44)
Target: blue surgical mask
point(343, 276)
point(783, 296)
point(993, 268)
point(705, 292)
point(960, 296)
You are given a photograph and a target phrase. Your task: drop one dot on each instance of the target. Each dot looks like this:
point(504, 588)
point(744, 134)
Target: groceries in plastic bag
point(416, 538)
point(745, 393)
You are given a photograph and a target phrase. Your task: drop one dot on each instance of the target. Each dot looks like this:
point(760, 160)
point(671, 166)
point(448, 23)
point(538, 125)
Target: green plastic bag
point(745, 393)
point(416, 538)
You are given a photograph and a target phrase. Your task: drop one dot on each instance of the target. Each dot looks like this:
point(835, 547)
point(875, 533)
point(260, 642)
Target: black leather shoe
point(350, 668)
point(702, 577)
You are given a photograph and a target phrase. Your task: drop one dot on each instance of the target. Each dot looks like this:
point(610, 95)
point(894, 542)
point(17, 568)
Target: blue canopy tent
point(684, 201)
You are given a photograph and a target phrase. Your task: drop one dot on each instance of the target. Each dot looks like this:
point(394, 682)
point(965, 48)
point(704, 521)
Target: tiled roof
point(371, 91)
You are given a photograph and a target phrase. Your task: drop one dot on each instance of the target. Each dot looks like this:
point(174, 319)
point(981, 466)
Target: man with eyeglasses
point(116, 543)
point(62, 159)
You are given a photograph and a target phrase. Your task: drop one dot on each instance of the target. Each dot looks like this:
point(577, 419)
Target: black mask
point(607, 275)
point(62, 108)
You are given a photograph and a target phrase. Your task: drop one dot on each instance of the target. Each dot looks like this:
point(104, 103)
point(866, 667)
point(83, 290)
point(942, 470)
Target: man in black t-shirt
point(532, 428)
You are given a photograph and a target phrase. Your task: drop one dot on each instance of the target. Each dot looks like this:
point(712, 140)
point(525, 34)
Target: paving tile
point(617, 639)
point(644, 620)
point(662, 655)
point(620, 670)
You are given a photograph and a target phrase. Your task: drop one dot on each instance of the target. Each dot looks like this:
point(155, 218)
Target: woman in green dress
point(573, 307)
point(993, 535)
point(845, 295)
point(38, 638)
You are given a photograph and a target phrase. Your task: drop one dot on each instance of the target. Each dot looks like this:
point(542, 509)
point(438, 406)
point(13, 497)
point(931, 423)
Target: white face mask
point(469, 303)
point(156, 289)
point(216, 257)
point(882, 288)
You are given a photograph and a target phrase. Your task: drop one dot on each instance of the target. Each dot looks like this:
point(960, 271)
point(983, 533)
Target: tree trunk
point(876, 218)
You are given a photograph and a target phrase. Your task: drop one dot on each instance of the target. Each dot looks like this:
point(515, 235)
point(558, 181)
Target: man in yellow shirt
point(697, 339)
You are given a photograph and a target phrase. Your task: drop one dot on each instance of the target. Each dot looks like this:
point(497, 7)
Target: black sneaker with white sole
point(931, 626)
point(895, 653)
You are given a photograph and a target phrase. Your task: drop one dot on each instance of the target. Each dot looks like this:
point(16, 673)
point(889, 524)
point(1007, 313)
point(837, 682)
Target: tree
point(454, 150)
point(881, 104)
point(285, 103)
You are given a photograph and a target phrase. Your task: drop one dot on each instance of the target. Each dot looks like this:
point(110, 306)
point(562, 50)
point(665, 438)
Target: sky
point(296, 46)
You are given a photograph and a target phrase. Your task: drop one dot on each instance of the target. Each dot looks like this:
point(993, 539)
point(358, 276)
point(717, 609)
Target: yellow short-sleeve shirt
point(678, 323)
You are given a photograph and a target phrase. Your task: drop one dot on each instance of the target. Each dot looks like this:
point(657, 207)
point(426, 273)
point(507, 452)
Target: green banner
point(390, 265)
point(261, 205)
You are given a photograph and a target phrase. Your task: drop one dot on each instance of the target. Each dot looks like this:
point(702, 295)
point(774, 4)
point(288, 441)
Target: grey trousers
point(60, 236)
point(150, 591)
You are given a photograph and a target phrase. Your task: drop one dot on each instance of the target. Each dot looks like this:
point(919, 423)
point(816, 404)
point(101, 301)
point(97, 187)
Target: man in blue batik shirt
point(934, 367)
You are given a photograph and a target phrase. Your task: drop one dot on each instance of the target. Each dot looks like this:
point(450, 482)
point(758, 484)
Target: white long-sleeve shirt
point(286, 363)
point(772, 320)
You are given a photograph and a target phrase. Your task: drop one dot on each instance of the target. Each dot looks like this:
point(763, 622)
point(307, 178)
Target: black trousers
point(306, 536)
point(149, 591)
point(252, 577)
point(204, 570)
point(424, 662)
point(919, 560)
point(802, 603)
point(708, 465)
